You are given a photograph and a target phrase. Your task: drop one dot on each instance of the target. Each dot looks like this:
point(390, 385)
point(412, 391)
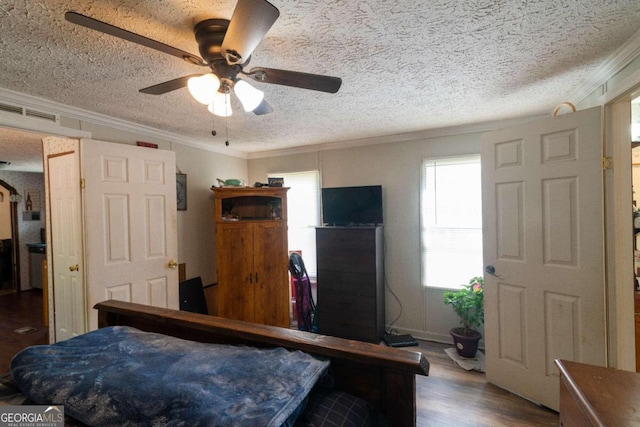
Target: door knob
point(74, 267)
point(490, 269)
point(172, 265)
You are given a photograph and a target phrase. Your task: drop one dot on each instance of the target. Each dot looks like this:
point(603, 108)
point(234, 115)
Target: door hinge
point(607, 163)
point(81, 182)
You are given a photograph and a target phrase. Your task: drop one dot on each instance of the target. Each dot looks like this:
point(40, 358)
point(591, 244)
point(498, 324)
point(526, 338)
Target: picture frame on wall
point(181, 191)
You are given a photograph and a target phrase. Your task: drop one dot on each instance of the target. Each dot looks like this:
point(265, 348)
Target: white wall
point(196, 225)
point(395, 166)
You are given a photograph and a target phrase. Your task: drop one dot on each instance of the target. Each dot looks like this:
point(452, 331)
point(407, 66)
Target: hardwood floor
point(18, 310)
point(449, 396)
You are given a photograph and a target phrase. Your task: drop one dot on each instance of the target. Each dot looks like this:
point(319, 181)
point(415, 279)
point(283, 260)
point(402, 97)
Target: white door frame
point(619, 261)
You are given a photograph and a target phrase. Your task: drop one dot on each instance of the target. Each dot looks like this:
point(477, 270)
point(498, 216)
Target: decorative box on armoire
point(350, 292)
point(252, 254)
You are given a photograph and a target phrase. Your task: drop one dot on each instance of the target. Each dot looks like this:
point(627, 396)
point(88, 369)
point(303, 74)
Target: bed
point(381, 376)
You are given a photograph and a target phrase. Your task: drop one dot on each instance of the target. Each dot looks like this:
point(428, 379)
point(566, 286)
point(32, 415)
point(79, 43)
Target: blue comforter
point(123, 376)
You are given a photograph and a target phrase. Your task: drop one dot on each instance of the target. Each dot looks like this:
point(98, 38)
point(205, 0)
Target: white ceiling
point(406, 65)
point(22, 149)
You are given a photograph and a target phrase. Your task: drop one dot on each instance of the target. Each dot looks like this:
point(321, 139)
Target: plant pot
point(466, 344)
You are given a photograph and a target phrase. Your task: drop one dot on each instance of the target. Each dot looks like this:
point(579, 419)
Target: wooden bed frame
point(382, 375)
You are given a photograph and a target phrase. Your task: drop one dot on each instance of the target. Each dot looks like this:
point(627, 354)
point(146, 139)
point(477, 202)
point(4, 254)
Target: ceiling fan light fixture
point(203, 88)
point(249, 96)
point(220, 105)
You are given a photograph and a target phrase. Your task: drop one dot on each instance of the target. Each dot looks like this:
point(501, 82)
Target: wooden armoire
point(252, 254)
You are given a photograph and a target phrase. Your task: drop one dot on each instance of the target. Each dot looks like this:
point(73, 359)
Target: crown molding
point(400, 137)
point(30, 101)
point(14, 121)
point(622, 57)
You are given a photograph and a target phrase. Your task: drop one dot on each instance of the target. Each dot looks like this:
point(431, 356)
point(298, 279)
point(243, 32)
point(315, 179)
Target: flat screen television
point(352, 206)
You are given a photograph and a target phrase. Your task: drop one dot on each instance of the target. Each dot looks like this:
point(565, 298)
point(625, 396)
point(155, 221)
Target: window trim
point(458, 159)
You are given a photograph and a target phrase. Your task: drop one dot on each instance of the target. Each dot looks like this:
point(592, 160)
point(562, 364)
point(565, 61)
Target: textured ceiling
point(406, 65)
point(22, 149)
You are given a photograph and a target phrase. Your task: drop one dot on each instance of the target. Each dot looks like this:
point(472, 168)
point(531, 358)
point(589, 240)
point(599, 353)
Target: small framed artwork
point(276, 182)
point(181, 191)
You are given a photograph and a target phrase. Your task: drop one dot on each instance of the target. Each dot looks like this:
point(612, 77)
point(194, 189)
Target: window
point(451, 221)
point(303, 213)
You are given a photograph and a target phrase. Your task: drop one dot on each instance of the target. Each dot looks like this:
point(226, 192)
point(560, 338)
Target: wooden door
point(66, 246)
point(130, 225)
point(234, 241)
point(271, 291)
point(543, 239)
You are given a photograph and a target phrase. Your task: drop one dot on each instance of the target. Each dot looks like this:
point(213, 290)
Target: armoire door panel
point(235, 265)
point(271, 291)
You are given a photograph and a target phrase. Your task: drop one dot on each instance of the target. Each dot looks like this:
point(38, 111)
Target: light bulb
point(203, 87)
point(249, 96)
point(220, 105)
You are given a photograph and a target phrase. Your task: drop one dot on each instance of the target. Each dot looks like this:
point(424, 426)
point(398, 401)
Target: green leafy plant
point(468, 303)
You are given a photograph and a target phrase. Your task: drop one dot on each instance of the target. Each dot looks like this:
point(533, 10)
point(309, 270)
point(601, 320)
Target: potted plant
point(468, 303)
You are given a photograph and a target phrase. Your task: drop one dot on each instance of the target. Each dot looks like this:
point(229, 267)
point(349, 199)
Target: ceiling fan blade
point(103, 27)
point(250, 22)
point(262, 108)
point(296, 79)
point(168, 86)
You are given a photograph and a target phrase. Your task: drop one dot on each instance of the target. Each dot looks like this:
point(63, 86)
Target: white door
point(543, 237)
point(66, 245)
point(130, 225)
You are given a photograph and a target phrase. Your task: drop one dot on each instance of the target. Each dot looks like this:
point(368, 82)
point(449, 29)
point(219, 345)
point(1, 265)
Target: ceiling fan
point(225, 47)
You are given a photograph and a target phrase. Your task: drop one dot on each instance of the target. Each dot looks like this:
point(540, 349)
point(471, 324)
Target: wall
point(28, 231)
point(196, 226)
point(396, 166)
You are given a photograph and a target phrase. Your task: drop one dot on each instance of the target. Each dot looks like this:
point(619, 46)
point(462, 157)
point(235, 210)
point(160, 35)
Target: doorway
point(23, 321)
point(9, 261)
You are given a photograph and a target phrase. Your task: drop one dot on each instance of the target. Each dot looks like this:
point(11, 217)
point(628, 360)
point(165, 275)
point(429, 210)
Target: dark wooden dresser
point(598, 396)
point(351, 282)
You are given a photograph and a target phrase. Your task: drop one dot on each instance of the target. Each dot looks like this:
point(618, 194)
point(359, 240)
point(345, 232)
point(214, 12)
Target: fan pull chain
point(226, 122)
point(226, 130)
